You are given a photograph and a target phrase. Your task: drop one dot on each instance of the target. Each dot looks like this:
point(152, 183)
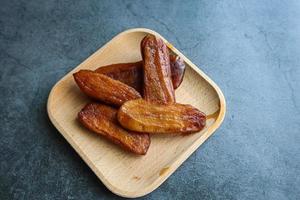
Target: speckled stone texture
point(250, 48)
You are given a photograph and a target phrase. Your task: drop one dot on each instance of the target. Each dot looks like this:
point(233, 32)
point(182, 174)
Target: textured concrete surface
point(250, 48)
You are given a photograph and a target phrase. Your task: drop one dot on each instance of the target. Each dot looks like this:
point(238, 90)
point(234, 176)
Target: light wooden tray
point(121, 172)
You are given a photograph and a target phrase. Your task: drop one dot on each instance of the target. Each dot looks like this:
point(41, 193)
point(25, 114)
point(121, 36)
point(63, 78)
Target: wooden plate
point(123, 173)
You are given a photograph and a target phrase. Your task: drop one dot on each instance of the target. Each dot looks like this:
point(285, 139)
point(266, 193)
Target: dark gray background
point(250, 48)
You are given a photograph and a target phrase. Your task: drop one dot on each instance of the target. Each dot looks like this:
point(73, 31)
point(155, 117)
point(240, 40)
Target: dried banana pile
point(135, 99)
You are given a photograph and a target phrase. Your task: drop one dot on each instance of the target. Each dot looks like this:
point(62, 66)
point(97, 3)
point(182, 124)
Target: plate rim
point(181, 157)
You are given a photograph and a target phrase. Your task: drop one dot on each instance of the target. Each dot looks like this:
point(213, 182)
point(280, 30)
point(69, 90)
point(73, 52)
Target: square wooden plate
point(123, 173)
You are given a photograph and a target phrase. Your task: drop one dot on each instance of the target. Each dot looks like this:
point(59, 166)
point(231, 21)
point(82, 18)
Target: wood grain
point(125, 174)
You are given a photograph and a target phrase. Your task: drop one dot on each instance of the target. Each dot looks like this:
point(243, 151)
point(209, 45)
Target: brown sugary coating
point(104, 88)
point(132, 73)
point(142, 116)
point(102, 119)
point(158, 86)
point(128, 73)
point(177, 70)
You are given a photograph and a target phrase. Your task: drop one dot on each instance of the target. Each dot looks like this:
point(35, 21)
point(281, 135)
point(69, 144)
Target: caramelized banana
point(128, 73)
point(158, 86)
point(142, 116)
point(103, 88)
point(177, 70)
point(102, 120)
point(132, 73)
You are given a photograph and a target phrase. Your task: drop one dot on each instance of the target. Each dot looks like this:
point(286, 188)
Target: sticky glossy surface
point(177, 70)
point(128, 73)
point(102, 119)
point(142, 116)
point(104, 88)
point(132, 73)
point(158, 85)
